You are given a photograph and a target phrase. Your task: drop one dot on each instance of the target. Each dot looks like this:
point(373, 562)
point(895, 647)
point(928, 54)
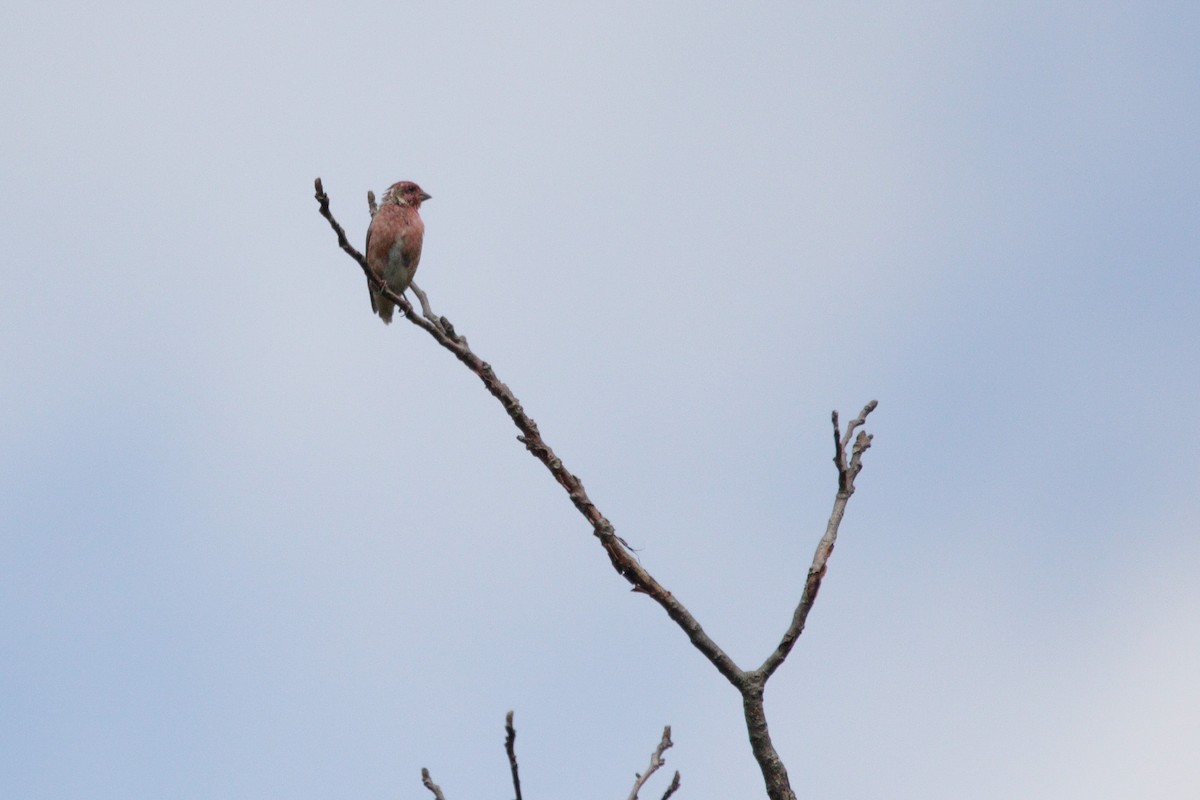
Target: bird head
point(405, 193)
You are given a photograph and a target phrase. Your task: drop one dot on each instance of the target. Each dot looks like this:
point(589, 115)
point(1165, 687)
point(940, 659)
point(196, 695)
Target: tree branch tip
point(510, 741)
point(430, 785)
point(674, 787)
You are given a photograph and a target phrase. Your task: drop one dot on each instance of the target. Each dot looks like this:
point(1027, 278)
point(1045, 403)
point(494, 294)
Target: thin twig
point(656, 761)
point(674, 787)
point(510, 741)
point(426, 311)
point(431, 786)
point(847, 472)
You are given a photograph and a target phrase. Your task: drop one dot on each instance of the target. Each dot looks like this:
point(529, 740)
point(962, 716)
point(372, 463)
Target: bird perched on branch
point(394, 242)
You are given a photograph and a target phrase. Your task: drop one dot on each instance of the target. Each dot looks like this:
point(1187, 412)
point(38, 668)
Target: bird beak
point(426, 196)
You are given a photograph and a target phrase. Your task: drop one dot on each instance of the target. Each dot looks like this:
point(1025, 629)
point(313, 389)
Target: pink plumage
point(394, 242)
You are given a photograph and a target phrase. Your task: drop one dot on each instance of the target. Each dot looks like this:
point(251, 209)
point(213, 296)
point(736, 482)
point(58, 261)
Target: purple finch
point(394, 242)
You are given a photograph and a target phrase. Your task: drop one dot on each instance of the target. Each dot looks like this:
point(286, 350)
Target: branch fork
point(849, 448)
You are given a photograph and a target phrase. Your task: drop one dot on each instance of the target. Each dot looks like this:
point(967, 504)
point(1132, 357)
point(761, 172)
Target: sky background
point(255, 544)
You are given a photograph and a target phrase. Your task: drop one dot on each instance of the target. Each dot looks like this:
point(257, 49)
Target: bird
point(394, 241)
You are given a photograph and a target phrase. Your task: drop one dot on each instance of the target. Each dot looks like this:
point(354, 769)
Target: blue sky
point(255, 544)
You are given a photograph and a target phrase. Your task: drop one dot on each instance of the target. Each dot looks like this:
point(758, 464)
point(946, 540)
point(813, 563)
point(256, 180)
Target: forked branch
point(656, 762)
point(849, 448)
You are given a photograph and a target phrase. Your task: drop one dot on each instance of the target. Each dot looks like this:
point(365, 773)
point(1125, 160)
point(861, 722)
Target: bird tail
point(382, 306)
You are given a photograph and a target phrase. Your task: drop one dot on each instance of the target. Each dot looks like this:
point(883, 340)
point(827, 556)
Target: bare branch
point(750, 684)
point(622, 559)
point(847, 472)
point(371, 203)
point(774, 773)
point(772, 767)
point(656, 761)
point(674, 787)
point(431, 786)
point(426, 311)
point(510, 741)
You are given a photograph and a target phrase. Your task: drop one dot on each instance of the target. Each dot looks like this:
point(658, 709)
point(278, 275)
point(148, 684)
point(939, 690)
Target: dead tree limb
point(749, 683)
point(431, 786)
point(510, 747)
point(656, 762)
